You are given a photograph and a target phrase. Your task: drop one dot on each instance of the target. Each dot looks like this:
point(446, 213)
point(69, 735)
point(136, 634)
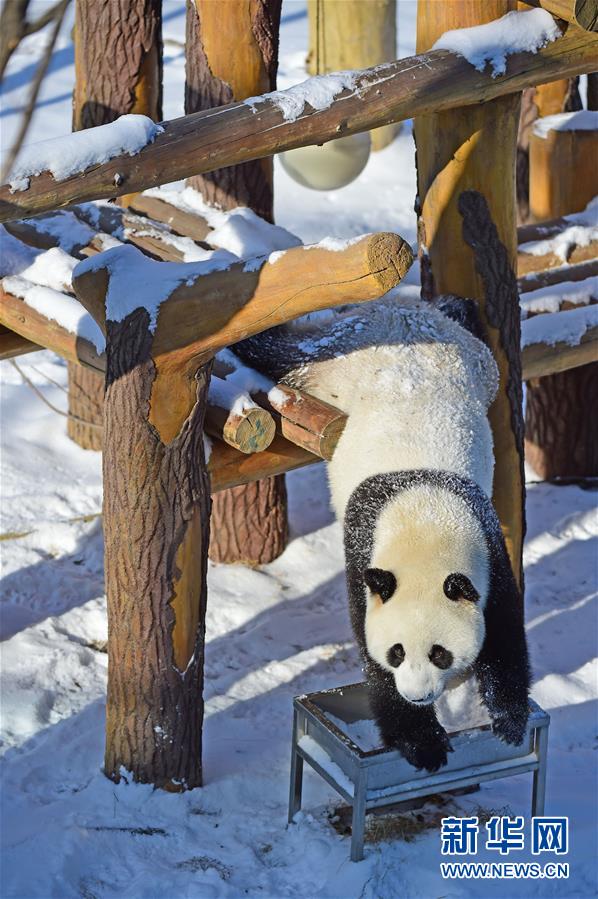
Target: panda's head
point(426, 591)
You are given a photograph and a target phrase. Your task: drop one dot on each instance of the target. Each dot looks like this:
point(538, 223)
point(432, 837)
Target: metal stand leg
point(296, 770)
point(358, 821)
point(539, 787)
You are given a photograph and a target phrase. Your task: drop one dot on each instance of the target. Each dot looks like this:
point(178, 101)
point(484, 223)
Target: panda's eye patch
point(457, 586)
point(381, 583)
point(395, 655)
point(441, 657)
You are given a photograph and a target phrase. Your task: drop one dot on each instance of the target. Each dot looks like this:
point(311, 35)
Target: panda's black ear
point(382, 583)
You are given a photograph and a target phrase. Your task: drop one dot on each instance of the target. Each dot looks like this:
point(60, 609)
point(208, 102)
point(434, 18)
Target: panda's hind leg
point(413, 730)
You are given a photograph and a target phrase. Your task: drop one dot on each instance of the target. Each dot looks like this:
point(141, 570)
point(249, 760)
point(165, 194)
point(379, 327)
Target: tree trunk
point(561, 426)
point(249, 523)
point(466, 186)
point(118, 68)
point(351, 34)
point(156, 526)
point(232, 53)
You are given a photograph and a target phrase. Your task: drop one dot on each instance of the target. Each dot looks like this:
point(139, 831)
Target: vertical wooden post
point(156, 530)
point(353, 34)
point(118, 70)
point(561, 425)
point(546, 99)
point(563, 172)
point(468, 243)
point(249, 523)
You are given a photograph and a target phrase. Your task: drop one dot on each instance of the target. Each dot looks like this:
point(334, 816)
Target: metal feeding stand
point(371, 779)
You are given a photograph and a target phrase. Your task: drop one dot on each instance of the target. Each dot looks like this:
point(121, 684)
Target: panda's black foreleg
point(502, 667)
point(413, 730)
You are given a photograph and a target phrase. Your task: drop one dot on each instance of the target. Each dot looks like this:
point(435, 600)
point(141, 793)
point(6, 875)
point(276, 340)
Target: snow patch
point(319, 755)
point(76, 152)
point(583, 120)
point(137, 282)
point(549, 299)
point(562, 244)
point(58, 307)
point(15, 256)
point(68, 232)
point(244, 379)
point(517, 32)
point(335, 244)
point(560, 327)
point(317, 92)
point(54, 269)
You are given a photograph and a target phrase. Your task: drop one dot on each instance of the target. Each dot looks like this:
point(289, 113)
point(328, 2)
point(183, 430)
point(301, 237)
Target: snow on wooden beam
point(197, 308)
point(570, 240)
point(555, 277)
point(314, 112)
point(559, 341)
point(583, 13)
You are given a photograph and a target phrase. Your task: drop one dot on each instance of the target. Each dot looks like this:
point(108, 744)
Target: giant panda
point(433, 601)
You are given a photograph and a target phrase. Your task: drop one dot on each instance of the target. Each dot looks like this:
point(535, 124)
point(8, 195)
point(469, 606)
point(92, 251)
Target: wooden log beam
point(304, 420)
point(237, 419)
point(186, 224)
point(583, 13)
point(12, 344)
point(541, 359)
point(47, 333)
point(209, 311)
point(555, 276)
point(230, 468)
point(201, 142)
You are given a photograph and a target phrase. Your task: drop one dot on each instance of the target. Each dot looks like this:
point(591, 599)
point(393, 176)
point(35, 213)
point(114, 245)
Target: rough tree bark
point(118, 66)
point(561, 425)
point(232, 53)
point(351, 34)
point(467, 214)
point(156, 525)
point(249, 522)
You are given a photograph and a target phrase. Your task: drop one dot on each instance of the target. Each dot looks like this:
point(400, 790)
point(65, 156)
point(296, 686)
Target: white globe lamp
point(331, 165)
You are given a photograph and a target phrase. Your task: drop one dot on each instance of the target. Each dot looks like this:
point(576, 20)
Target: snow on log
point(233, 416)
point(321, 109)
point(197, 308)
point(65, 157)
point(558, 297)
point(568, 240)
point(51, 319)
point(553, 277)
point(559, 341)
point(187, 224)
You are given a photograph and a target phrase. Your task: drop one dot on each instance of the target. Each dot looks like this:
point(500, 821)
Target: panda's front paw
point(429, 755)
point(510, 726)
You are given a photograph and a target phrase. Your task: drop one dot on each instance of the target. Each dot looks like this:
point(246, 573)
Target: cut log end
point(390, 258)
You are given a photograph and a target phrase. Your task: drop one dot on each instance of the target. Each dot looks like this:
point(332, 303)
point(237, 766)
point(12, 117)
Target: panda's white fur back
point(415, 385)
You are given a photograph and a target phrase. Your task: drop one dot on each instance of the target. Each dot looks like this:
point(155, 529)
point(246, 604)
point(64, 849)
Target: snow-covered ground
point(272, 633)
